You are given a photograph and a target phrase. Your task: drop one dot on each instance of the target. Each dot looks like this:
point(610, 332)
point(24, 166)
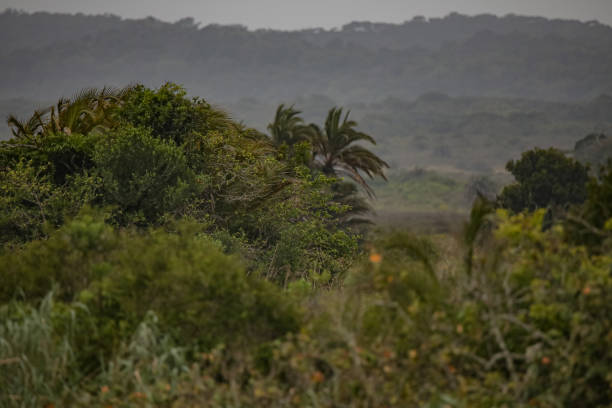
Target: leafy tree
point(544, 178)
point(337, 154)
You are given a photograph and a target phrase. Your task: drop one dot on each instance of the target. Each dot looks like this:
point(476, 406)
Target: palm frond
point(336, 153)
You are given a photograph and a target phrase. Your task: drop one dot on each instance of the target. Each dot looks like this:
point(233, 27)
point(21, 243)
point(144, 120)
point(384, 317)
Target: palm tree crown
point(90, 110)
point(337, 154)
point(288, 127)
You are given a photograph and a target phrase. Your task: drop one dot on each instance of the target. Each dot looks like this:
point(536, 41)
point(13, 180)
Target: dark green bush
point(143, 176)
point(544, 178)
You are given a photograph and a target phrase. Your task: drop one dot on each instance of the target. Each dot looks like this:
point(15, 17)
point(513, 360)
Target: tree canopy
point(544, 178)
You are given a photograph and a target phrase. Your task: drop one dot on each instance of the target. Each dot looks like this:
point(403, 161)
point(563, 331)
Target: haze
point(293, 14)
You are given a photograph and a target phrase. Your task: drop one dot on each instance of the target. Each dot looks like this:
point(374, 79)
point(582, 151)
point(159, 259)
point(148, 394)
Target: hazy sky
point(291, 14)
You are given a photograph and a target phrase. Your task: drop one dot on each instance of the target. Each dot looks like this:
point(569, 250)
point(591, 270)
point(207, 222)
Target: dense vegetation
point(157, 253)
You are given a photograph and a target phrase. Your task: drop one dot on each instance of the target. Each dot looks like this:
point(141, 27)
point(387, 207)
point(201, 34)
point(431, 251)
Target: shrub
point(143, 176)
point(544, 178)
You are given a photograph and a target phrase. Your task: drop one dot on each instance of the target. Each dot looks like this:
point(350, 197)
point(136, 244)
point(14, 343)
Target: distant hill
point(474, 134)
point(45, 55)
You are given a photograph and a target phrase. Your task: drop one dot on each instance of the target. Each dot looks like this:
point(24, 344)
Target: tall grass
point(36, 363)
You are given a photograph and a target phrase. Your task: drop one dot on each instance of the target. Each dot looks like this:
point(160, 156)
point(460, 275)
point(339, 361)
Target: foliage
point(303, 235)
point(38, 362)
point(182, 276)
point(89, 111)
point(544, 178)
point(169, 114)
point(589, 223)
point(184, 260)
point(288, 127)
point(336, 153)
point(144, 176)
point(30, 202)
point(411, 327)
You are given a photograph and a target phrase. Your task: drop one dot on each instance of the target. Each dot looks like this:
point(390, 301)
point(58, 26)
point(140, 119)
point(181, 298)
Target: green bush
point(200, 295)
point(143, 176)
point(72, 258)
point(544, 178)
point(169, 114)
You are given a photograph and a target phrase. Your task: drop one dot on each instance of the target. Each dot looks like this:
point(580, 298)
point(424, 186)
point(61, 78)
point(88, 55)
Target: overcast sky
point(292, 14)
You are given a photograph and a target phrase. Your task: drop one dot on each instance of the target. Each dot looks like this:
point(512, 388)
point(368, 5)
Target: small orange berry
point(586, 290)
point(413, 354)
point(317, 377)
point(375, 258)
point(545, 360)
point(104, 389)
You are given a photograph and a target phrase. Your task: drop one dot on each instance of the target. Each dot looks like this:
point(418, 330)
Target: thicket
point(156, 253)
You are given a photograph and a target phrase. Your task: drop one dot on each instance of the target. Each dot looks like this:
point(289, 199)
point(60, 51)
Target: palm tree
point(90, 110)
point(337, 154)
point(26, 131)
point(288, 127)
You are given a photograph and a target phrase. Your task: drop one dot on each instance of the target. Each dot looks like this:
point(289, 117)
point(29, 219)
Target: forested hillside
point(512, 56)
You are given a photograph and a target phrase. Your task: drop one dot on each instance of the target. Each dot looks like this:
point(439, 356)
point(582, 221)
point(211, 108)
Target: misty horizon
point(291, 15)
point(200, 24)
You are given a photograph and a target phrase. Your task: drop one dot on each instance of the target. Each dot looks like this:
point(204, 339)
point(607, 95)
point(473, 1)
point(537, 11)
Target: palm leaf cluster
point(335, 148)
point(337, 153)
point(90, 110)
point(288, 127)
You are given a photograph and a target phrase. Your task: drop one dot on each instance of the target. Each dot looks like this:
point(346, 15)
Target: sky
point(296, 14)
